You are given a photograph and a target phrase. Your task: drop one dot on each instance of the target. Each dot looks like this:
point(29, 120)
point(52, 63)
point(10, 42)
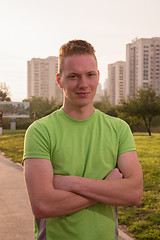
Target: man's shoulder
point(109, 118)
point(111, 121)
point(46, 121)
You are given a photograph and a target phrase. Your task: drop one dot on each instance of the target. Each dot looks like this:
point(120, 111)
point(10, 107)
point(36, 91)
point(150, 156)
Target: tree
point(53, 109)
point(103, 105)
point(39, 106)
point(144, 104)
point(4, 92)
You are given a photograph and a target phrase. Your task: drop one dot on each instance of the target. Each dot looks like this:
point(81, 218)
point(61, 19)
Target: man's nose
point(83, 82)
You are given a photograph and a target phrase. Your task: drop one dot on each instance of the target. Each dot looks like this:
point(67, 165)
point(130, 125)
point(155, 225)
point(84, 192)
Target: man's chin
point(84, 103)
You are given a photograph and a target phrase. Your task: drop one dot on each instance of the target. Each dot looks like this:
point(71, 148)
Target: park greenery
point(4, 92)
point(40, 106)
point(139, 112)
point(144, 104)
point(143, 221)
point(14, 108)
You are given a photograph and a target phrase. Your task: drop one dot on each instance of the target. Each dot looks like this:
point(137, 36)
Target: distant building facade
point(143, 65)
point(116, 82)
point(99, 93)
point(41, 79)
point(105, 90)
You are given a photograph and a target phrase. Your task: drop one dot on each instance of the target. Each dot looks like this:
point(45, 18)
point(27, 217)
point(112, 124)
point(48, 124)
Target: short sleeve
point(36, 142)
point(126, 140)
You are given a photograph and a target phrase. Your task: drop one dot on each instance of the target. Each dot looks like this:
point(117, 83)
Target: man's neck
point(80, 113)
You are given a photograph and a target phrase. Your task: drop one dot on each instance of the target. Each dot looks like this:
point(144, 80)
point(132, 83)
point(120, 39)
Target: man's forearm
point(98, 190)
point(61, 203)
point(114, 192)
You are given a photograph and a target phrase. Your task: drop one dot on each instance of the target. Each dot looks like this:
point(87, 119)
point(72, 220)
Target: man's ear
point(58, 79)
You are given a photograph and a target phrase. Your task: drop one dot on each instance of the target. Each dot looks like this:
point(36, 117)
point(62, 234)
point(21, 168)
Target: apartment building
point(99, 93)
point(41, 78)
point(105, 89)
point(116, 82)
point(143, 65)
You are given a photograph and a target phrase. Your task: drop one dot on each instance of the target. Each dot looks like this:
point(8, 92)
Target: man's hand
point(65, 182)
point(114, 175)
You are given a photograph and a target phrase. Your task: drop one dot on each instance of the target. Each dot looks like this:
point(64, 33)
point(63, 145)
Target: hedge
point(21, 123)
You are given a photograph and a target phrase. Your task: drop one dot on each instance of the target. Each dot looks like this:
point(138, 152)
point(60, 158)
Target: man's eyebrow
point(93, 71)
point(72, 73)
point(75, 73)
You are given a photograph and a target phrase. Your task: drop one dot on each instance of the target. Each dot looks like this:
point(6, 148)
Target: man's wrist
point(74, 182)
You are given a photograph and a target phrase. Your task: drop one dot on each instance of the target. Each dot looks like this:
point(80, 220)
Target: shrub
point(21, 123)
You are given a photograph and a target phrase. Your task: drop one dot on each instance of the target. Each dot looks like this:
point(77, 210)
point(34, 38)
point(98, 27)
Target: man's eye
point(72, 76)
point(91, 74)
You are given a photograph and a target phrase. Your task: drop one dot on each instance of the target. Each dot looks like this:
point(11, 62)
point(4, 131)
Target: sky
point(37, 29)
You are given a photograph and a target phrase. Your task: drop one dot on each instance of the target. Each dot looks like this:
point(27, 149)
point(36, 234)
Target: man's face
point(79, 80)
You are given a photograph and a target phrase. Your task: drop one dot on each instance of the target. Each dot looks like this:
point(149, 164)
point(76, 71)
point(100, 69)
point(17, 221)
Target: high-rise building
point(99, 93)
point(143, 65)
point(116, 82)
point(41, 78)
point(105, 90)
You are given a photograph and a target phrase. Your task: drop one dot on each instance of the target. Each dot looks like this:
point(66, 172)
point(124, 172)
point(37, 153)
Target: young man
point(79, 162)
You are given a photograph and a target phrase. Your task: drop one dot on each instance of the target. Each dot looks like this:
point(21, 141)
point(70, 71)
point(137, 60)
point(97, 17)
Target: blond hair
point(74, 47)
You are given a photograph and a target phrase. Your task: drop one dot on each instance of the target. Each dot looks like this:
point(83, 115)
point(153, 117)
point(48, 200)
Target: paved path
point(16, 220)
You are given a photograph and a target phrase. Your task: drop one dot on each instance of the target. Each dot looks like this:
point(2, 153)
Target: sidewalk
point(16, 220)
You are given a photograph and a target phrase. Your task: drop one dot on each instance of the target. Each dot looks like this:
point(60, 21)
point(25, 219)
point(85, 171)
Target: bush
point(6, 123)
point(21, 123)
point(53, 109)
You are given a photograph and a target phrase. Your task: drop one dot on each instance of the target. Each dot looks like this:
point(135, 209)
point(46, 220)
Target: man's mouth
point(83, 94)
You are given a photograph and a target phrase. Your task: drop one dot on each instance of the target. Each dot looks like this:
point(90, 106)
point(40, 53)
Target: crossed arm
point(52, 196)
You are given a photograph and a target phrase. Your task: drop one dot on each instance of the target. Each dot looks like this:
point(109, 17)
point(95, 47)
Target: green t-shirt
point(87, 148)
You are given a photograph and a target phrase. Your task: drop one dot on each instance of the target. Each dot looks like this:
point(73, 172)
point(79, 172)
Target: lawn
point(11, 143)
point(143, 222)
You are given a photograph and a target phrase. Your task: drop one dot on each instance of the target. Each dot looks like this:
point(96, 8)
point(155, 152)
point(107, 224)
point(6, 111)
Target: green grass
point(11, 143)
point(143, 222)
